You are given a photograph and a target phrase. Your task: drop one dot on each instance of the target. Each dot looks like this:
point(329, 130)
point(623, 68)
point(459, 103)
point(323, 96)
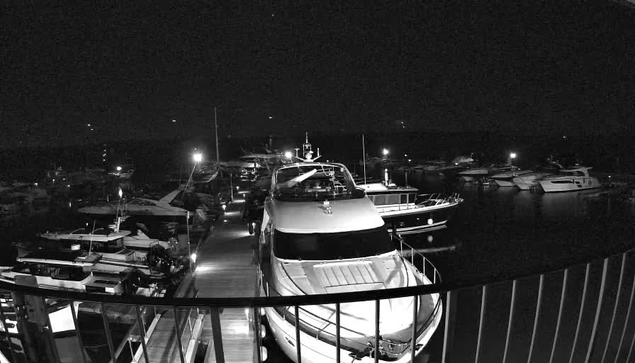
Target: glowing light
point(173, 121)
point(263, 353)
point(385, 152)
point(203, 269)
point(512, 155)
point(197, 157)
point(224, 206)
point(120, 192)
point(430, 221)
point(288, 154)
point(270, 117)
point(118, 168)
point(88, 125)
point(193, 257)
point(430, 238)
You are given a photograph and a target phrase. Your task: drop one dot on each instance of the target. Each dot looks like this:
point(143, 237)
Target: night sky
point(129, 68)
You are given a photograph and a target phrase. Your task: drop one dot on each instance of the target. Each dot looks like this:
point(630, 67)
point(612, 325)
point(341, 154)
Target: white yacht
point(506, 178)
point(140, 207)
point(568, 180)
point(322, 235)
point(407, 210)
point(530, 180)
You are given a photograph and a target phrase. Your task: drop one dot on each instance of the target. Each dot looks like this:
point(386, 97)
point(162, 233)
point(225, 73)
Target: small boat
point(568, 180)
point(329, 239)
point(66, 271)
point(407, 211)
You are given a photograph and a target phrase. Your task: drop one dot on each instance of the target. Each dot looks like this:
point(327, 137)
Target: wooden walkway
point(225, 268)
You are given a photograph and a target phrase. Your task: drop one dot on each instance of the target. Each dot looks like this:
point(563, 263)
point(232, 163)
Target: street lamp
point(385, 152)
point(197, 157)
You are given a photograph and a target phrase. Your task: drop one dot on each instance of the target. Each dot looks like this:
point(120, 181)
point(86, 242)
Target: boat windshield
point(332, 246)
point(313, 180)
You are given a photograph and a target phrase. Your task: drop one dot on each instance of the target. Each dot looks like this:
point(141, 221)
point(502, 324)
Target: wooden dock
point(225, 267)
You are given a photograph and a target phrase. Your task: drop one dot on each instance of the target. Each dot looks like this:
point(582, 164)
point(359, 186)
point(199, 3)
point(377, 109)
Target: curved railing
point(502, 318)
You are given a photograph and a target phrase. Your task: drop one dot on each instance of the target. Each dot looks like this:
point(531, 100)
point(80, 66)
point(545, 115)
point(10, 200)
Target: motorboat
point(530, 180)
point(406, 210)
point(506, 178)
point(322, 235)
point(65, 271)
point(140, 207)
point(568, 180)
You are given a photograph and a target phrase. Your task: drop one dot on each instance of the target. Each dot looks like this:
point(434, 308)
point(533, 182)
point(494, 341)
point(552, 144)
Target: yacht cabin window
point(332, 246)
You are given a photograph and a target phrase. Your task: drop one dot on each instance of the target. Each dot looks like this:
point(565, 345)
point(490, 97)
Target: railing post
point(297, 334)
point(337, 333)
point(512, 306)
point(177, 330)
point(628, 315)
point(104, 317)
point(598, 309)
point(413, 343)
point(77, 332)
point(481, 322)
point(217, 335)
point(582, 303)
point(446, 330)
point(617, 301)
point(565, 280)
point(142, 333)
point(376, 350)
point(541, 286)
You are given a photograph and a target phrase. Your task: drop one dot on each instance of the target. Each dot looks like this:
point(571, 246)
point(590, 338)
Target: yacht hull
point(314, 350)
point(417, 220)
point(571, 185)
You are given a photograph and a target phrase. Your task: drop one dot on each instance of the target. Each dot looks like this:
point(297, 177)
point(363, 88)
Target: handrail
point(236, 302)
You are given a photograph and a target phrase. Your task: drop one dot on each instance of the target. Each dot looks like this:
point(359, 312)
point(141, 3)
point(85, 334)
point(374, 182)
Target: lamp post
point(512, 156)
point(197, 157)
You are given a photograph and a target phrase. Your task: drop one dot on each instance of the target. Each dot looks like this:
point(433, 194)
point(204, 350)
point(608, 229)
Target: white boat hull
point(317, 351)
point(504, 183)
point(552, 186)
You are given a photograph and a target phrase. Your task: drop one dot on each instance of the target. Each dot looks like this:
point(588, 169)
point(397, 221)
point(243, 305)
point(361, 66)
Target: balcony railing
point(580, 313)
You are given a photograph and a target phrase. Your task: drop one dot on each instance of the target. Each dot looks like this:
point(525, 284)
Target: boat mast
point(216, 134)
point(364, 157)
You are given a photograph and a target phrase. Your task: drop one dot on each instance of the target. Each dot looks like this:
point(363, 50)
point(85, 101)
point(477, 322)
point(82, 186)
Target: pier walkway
point(225, 267)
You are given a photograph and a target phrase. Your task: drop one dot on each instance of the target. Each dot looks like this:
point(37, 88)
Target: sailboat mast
point(364, 157)
point(216, 134)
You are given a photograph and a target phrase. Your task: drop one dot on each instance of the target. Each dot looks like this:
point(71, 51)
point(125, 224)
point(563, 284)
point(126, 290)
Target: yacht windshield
point(313, 180)
point(332, 246)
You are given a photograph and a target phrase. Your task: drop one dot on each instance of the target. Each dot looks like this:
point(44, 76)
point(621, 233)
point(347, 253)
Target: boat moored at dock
point(405, 210)
point(322, 235)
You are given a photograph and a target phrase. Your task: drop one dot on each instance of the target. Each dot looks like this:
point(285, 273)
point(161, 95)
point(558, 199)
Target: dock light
point(512, 155)
point(288, 154)
point(385, 152)
point(193, 257)
point(197, 157)
point(224, 206)
point(118, 168)
point(430, 221)
point(263, 353)
point(120, 192)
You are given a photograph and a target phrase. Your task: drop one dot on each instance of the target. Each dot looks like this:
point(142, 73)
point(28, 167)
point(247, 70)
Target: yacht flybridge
point(322, 235)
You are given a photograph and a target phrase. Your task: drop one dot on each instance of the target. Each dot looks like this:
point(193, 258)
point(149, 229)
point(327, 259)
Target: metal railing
point(580, 313)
